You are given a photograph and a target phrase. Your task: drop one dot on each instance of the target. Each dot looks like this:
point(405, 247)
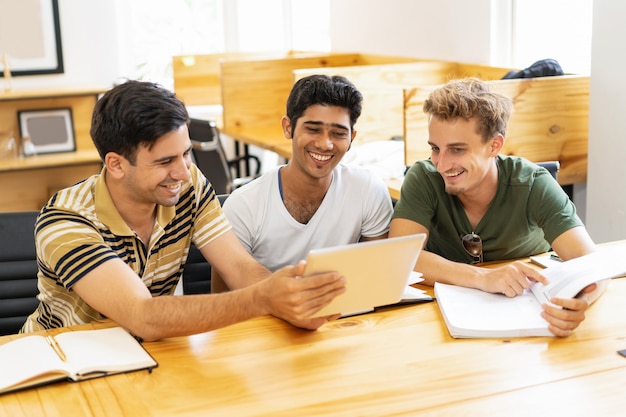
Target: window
point(529, 30)
point(164, 28)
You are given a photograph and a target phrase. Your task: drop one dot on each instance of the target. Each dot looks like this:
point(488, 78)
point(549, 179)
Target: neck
point(137, 215)
point(477, 201)
point(298, 186)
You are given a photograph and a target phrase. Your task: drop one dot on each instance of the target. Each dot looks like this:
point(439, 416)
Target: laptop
point(376, 272)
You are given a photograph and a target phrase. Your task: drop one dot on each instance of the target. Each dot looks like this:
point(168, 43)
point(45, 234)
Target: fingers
point(588, 289)
point(295, 300)
point(513, 279)
point(531, 273)
point(313, 297)
point(564, 315)
point(314, 323)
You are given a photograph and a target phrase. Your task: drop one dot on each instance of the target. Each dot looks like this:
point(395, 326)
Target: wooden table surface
point(270, 138)
point(396, 361)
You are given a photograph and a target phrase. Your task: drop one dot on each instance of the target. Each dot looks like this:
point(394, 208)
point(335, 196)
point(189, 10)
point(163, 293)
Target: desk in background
point(396, 361)
point(27, 183)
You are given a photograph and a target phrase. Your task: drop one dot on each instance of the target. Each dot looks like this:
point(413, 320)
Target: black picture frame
point(45, 51)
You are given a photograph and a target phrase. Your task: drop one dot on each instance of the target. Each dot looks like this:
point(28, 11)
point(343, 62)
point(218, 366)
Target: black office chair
point(197, 271)
point(552, 167)
point(210, 157)
point(18, 269)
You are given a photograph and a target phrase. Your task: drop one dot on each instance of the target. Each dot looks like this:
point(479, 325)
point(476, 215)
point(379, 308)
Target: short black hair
point(325, 90)
point(135, 113)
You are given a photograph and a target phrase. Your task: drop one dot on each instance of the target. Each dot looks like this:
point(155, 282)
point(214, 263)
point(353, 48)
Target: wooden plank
point(549, 122)
point(382, 87)
point(197, 77)
point(30, 189)
point(254, 92)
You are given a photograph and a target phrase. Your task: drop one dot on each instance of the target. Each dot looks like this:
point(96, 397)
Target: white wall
point(455, 30)
point(90, 46)
point(606, 182)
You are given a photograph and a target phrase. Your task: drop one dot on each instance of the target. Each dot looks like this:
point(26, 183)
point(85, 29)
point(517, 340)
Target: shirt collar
point(108, 214)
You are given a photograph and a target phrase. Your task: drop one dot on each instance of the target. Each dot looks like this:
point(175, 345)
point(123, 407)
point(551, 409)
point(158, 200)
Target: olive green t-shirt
point(528, 212)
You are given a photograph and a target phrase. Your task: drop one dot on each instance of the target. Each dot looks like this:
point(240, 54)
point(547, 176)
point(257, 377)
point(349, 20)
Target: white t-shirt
point(356, 204)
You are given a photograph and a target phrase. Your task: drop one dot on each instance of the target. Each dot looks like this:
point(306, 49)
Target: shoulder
point(79, 199)
point(352, 175)
point(422, 173)
point(518, 170)
point(422, 168)
point(256, 190)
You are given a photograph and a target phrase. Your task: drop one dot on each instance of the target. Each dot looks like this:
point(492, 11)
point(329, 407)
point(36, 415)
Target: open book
point(412, 295)
point(472, 313)
point(37, 360)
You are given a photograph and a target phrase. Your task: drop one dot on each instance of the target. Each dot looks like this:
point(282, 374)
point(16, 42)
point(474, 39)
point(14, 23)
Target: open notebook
point(377, 272)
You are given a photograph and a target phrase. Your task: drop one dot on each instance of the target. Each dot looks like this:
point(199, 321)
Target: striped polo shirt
point(80, 228)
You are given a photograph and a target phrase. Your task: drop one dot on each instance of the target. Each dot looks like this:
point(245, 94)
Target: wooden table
point(396, 361)
point(270, 138)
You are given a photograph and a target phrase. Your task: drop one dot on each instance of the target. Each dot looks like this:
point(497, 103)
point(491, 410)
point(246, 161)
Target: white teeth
point(319, 157)
point(453, 174)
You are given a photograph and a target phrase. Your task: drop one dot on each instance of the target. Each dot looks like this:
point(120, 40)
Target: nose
point(324, 141)
point(180, 169)
point(440, 162)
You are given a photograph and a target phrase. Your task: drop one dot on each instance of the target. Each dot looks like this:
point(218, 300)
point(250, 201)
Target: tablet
point(376, 272)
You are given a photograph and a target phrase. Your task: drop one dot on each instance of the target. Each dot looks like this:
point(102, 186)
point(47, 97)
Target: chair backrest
point(18, 269)
point(552, 167)
point(209, 154)
point(197, 271)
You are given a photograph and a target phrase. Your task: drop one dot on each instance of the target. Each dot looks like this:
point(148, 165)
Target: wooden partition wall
point(549, 122)
point(197, 77)
point(254, 92)
point(382, 86)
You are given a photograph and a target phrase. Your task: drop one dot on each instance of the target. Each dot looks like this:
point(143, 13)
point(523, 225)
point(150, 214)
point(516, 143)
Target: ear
point(115, 164)
point(497, 143)
point(287, 128)
point(351, 140)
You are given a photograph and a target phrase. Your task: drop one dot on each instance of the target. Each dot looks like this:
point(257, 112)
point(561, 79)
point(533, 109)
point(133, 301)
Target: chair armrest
point(233, 162)
point(204, 146)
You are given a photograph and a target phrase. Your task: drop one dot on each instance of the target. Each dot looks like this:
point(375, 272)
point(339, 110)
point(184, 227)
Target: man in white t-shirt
point(313, 201)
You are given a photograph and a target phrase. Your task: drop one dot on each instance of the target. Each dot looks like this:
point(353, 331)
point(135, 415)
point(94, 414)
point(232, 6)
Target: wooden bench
point(549, 122)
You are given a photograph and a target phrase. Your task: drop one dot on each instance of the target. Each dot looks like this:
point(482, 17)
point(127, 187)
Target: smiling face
point(159, 172)
point(321, 137)
point(464, 160)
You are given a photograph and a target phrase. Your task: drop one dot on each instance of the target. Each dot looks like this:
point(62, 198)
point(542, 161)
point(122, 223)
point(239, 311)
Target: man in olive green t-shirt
point(476, 205)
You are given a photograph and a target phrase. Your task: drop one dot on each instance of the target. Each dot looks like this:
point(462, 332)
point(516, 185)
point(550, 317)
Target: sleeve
point(69, 246)
point(378, 209)
point(418, 197)
point(210, 221)
point(240, 214)
point(551, 208)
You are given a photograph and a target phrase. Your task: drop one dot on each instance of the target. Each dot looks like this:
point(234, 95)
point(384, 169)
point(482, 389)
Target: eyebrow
point(168, 157)
point(318, 123)
point(449, 145)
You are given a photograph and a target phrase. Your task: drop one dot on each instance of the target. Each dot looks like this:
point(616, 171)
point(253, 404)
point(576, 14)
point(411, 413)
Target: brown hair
point(470, 98)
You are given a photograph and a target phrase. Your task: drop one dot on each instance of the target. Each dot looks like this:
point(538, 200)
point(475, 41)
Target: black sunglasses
point(473, 245)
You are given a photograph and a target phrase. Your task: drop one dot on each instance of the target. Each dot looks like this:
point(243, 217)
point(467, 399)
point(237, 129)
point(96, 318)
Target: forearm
point(170, 316)
point(245, 275)
point(435, 268)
